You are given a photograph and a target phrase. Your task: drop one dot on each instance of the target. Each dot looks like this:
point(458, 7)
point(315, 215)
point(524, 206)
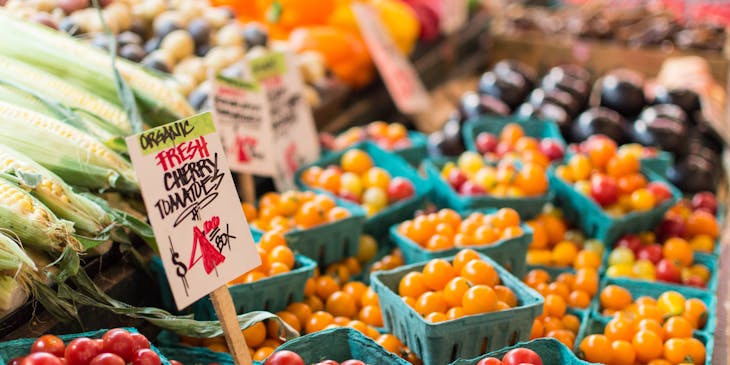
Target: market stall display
point(563, 213)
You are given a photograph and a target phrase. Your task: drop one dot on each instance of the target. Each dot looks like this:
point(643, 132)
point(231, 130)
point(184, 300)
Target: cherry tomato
point(400, 189)
point(284, 357)
point(41, 358)
point(16, 361)
point(705, 201)
point(328, 362)
point(660, 191)
point(489, 361)
point(107, 359)
point(667, 270)
point(521, 356)
point(50, 344)
point(140, 341)
point(352, 362)
point(146, 357)
point(120, 342)
point(80, 351)
point(604, 190)
point(175, 362)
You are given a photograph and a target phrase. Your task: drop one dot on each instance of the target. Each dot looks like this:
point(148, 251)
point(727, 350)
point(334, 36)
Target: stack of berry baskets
point(482, 306)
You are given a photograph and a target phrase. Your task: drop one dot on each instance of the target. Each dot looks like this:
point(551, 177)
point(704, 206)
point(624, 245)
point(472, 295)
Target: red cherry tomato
point(146, 357)
point(667, 270)
point(50, 344)
point(660, 191)
point(175, 362)
point(140, 341)
point(328, 362)
point(107, 359)
point(41, 358)
point(120, 342)
point(489, 361)
point(284, 357)
point(16, 360)
point(80, 351)
point(521, 356)
point(399, 189)
point(352, 362)
point(604, 189)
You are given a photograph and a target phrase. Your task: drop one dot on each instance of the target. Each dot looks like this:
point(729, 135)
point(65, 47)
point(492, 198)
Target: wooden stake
point(247, 188)
point(223, 304)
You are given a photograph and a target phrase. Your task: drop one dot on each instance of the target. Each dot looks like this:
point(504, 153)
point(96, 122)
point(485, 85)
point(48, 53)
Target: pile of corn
point(63, 124)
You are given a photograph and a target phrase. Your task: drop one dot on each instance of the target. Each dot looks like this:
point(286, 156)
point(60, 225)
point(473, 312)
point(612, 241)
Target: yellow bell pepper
point(401, 22)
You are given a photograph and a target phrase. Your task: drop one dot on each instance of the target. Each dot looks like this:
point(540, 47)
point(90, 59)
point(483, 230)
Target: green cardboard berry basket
point(340, 344)
point(596, 325)
point(658, 164)
point(466, 337)
point(329, 242)
point(445, 196)
point(189, 355)
point(271, 294)
point(21, 347)
point(378, 224)
point(654, 290)
point(510, 252)
point(551, 352)
point(590, 217)
point(535, 128)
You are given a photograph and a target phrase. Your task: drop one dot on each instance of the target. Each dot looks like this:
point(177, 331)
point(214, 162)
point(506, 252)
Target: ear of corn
point(86, 215)
point(12, 256)
point(89, 68)
point(31, 221)
point(103, 131)
point(76, 157)
point(12, 293)
point(54, 88)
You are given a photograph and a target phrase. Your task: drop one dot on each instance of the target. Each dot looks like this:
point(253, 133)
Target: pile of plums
point(616, 107)
point(639, 26)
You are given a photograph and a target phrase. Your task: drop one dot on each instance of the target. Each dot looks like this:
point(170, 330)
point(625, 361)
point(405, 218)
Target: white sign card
point(192, 203)
point(455, 14)
point(241, 113)
point(399, 75)
point(292, 125)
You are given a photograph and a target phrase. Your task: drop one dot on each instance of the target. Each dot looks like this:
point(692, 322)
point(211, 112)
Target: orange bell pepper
point(344, 53)
point(290, 14)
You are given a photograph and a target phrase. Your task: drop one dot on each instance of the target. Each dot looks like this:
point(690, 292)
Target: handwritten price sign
point(241, 112)
point(399, 75)
point(294, 135)
point(205, 241)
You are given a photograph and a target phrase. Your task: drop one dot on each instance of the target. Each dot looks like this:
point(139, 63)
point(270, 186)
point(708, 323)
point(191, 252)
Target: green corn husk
point(79, 118)
point(76, 157)
point(89, 68)
point(51, 87)
point(12, 257)
point(32, 222)
point(86, 215)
